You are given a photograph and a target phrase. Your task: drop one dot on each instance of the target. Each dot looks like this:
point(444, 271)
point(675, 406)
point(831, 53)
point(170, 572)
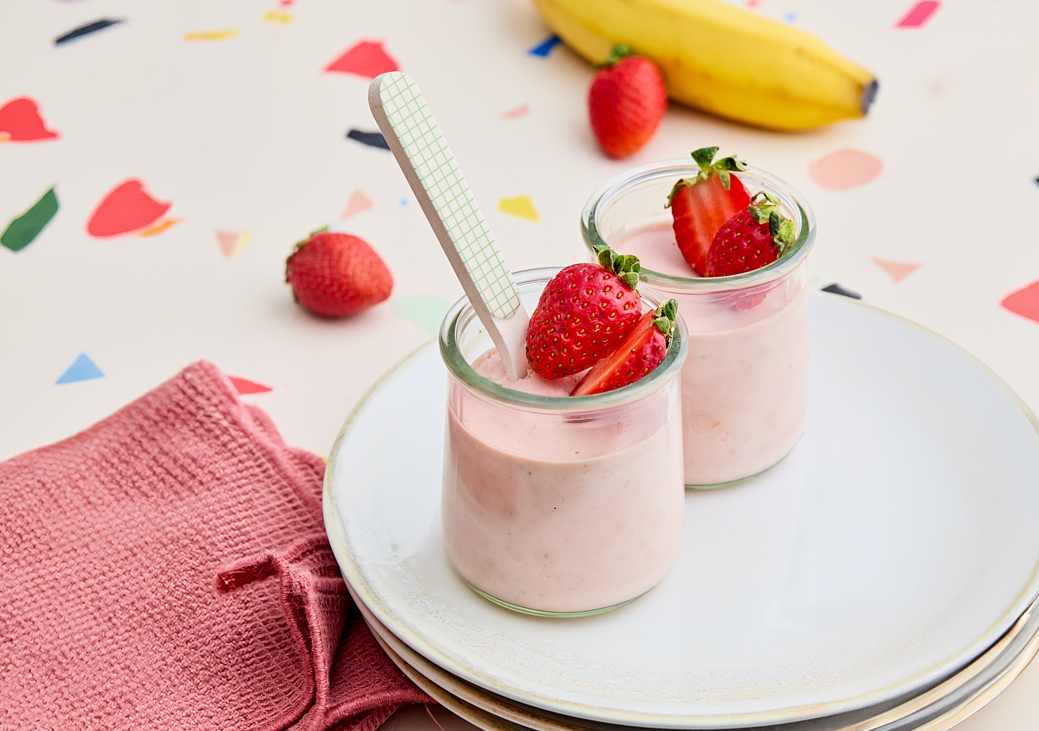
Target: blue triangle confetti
point(82, 369)
point(545, 47)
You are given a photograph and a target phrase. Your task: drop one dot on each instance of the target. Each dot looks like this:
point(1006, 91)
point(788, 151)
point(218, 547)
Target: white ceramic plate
point(895, 544)
point(963, 694)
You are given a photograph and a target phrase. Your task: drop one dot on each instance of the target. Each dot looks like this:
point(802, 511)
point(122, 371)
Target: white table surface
point(247, 134)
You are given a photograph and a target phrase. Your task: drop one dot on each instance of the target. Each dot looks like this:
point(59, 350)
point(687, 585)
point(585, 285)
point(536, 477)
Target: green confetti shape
point(22, 230)
point(426, 311)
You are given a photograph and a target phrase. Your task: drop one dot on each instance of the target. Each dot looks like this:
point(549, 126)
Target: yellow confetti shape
point(158, 228)
point(278, 16)
point(5, 136)
point(520, 206)
point(211, 35)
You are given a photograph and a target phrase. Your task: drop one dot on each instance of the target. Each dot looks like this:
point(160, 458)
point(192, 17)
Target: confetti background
point(157, 162)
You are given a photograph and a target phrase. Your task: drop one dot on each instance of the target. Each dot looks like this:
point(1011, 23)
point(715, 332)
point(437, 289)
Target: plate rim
point(955, 662)
point(1009, 656)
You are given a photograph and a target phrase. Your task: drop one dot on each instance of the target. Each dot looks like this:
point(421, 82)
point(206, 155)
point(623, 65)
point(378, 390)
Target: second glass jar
point(744, 381)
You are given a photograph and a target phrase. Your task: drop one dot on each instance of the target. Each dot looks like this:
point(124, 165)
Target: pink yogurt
point(561, 512)
point(743, 384)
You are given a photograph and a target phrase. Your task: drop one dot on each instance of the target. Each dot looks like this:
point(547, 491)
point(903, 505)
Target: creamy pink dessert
point(743, 384)
point(561, 512)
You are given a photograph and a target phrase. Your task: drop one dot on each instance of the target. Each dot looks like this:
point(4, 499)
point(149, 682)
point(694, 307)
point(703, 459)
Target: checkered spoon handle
point(433, 173)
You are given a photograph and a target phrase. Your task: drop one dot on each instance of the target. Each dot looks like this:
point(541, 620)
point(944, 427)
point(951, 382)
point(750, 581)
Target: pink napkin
point(167, 568)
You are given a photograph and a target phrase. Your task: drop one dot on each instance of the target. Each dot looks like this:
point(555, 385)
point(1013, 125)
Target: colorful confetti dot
point(897, 270)
point(1024, 301)
point(278, 16)
point(232, 243)
point(844, 169)
point(520, 206)
point(87, 29)
point(367, 59)
point(245, 386)
point(545, 47)
point(835, 288)
point(790, 17)
point(127, 207)
point(425, 311)
point(371, 139)
point(20, 121)
point(25, 228)
point(82, 369)
point(211, 35)
point(918, 15)
point(516, 112)
point(358, 202)
point(157, 228)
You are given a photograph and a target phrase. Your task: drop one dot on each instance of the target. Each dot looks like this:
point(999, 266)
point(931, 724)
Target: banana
point(721, 58)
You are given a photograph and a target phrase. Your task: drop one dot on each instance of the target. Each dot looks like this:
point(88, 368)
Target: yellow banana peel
point(722, 58)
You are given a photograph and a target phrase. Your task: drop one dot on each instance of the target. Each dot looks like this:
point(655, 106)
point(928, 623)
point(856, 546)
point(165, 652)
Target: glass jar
point(559, 505)
point(743, 385)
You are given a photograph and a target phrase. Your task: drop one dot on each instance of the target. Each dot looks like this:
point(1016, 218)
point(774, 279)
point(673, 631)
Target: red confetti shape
point(127, 207)
point(1024, 302)
point(244, 385)
point(919, 14)
point(20, 121)
point(367, 59)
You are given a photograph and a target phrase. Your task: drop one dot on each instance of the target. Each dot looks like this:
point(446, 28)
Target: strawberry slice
point(642, 351)
point(702, 204)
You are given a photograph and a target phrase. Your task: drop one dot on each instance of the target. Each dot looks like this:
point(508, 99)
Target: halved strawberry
point(583, 313)
point(702, 204)
point(642, 351)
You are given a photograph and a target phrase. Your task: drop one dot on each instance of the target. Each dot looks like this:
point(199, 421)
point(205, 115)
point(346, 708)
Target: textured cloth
point(167, 569)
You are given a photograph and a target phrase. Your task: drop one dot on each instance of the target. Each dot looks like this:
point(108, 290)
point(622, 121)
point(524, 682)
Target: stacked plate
point(883, 576)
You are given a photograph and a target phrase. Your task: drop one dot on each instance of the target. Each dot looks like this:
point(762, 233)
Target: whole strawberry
point(626, 102)
point(702, 204)
point(638, 355)
point(336, 274)
point(754, 237)
point(584, 313)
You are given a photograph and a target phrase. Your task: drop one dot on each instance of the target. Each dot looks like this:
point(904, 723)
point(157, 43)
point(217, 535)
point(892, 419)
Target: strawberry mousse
point(743, 385)
point(557, 504)
point(729, 244)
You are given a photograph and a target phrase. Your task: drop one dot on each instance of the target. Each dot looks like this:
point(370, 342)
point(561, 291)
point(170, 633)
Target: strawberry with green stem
point(755, 237)
point(626, 102)
point(642, 351)
point(583, 314)
point(700, 205)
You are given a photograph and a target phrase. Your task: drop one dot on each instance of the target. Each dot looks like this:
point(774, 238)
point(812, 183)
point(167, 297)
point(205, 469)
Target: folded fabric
point(167, 568)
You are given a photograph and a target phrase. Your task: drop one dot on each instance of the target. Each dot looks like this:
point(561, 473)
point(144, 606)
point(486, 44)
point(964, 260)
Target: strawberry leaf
point(782, 229)
point(625, 266)
point(730, 163)
point(664, 317)
point(619, 51)
point(704, 156)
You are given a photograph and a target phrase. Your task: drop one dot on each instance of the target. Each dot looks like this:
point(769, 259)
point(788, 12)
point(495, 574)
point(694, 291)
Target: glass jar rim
point(459, 366)
point(804, 222)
